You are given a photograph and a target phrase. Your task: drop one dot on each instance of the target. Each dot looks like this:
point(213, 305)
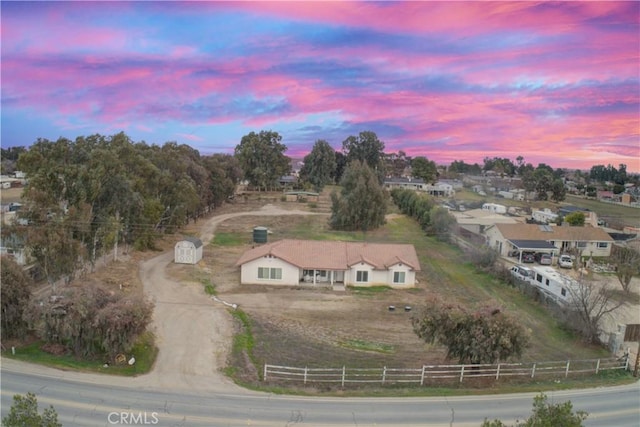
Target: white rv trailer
point(557, 286)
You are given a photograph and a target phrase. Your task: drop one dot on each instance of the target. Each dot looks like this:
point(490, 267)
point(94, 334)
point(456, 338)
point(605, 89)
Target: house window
point(398, 276)
point(269, 273)
point(603, 245)
point(581, 244)
point(563, 292)
point(362, 276)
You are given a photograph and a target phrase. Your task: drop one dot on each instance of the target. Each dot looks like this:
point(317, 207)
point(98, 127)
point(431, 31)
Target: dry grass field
point(319, 327)
point(10, 195)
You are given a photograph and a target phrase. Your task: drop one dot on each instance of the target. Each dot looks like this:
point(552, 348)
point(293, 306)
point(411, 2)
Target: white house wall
point(249, 272)
point(380, 277)
point(496, 241)
point(410, 276)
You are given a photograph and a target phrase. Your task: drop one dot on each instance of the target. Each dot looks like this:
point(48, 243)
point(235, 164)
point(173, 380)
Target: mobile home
point(562, 289)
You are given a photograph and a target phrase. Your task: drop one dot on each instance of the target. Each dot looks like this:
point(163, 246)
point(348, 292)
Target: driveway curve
point(193, 332)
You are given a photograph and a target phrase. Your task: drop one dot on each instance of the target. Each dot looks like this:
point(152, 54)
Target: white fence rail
point(438, 373)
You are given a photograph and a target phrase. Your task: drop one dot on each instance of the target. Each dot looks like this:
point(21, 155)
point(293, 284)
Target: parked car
point(565, 261)
point(522, 273)
point(543, 259)
point(528, 257)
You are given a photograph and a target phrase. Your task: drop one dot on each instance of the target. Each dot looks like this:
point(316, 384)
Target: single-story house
point(590, 217)
point(515, 194)
point(591, 241)
point(291, 262)
point(544, 215)
point(495, 208)
point(416, 184)
point(477, 220)
point(288, 180)
point(188, 251)
point(440, 189)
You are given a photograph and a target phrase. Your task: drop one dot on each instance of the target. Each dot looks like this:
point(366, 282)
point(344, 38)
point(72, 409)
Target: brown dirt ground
point(296, 326)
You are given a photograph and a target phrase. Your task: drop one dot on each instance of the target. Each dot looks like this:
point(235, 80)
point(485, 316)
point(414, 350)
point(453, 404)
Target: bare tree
point(590, 302)
point(627, 262)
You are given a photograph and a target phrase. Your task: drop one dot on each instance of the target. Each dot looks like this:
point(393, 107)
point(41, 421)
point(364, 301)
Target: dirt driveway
point(193, 332)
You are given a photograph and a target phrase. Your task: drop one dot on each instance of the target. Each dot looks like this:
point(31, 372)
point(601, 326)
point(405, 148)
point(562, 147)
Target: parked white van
point(523, 273)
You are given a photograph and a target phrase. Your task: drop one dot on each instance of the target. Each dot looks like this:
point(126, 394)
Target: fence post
point(264, 375)
point(597, 366)
point(498, 372)
point(566, 371)
point(344, 372)
point(461, 373)
point(384, 374)
point(422, 375)
point(533, 370)
point(306, 369)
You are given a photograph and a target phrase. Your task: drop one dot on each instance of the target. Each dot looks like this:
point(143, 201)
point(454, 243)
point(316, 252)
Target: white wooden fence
point(438, 373)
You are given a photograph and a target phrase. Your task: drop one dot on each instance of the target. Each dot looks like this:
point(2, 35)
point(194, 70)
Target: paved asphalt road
point(82, 403)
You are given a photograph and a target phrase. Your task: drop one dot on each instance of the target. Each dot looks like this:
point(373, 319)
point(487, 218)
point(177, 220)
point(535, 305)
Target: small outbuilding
point(188, 251)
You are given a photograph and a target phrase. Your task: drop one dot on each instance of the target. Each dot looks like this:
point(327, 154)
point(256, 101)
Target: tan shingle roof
point(558, 233)
point(331, 255)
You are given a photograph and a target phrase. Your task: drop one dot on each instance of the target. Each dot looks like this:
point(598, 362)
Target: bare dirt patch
point(10, 195)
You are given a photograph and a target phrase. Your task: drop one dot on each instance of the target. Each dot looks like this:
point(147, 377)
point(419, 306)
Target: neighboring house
point(590, 217)
point(508, 238)
point(544, 215)
point(516, 194)
point(13, 246)
point(291, 262)
point(456, 184)
point(440, 188)
point(188, 251)
point(416, 184)
point(288, 180)
point(495, 208)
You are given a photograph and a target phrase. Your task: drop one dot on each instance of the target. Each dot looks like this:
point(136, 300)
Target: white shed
point(188, 251)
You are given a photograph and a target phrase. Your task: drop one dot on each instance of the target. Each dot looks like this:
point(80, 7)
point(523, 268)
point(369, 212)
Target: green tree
point(16, 292)
point(441, 222)
point(24, 413)
point(262, 159)
point(421, 167)
point(459, 166)
point(341, 165)
point(362, 202)
point(558, 190)
point(367, 148)
point(224, 174)
point(485, 336)
point(319, 165)
point(575, 219)
point(502, 166)
point(543, 179)
point(396, 163)
point(547, 414)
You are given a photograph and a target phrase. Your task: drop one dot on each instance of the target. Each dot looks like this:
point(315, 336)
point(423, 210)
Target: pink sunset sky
point(558, 83)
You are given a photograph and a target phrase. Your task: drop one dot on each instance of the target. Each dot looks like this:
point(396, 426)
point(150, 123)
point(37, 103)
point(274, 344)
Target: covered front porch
point(324, 277)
